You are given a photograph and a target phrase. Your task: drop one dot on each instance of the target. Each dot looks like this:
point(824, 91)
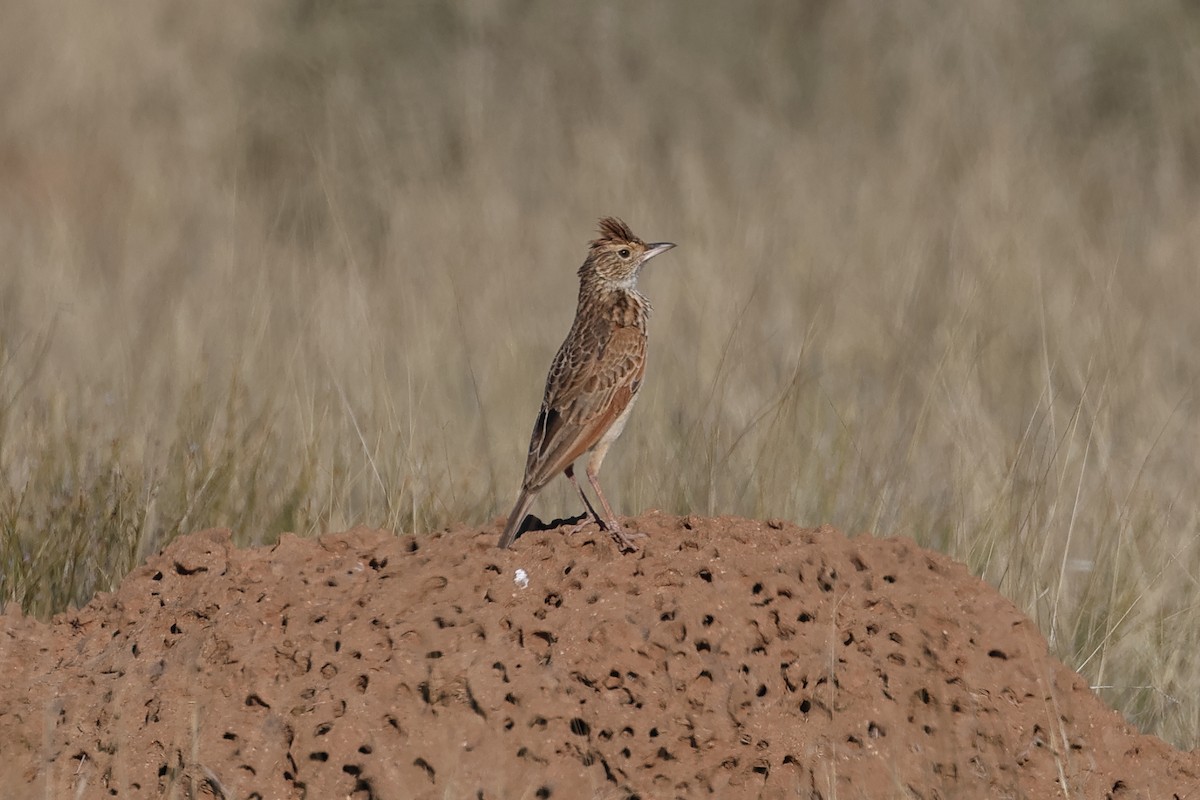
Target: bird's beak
point(655, 249)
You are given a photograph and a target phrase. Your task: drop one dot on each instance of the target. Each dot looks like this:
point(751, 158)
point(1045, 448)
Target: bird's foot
point(626, 540)
point(579, 524)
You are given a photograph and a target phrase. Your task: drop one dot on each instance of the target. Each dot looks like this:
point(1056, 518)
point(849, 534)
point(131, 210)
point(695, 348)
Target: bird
point(595, 377)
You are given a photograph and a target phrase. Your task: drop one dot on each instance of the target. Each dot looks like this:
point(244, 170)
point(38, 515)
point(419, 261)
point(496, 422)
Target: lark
point(595, 377)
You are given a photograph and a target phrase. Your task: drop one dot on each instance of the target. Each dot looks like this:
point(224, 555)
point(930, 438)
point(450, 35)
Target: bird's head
point(619, 255)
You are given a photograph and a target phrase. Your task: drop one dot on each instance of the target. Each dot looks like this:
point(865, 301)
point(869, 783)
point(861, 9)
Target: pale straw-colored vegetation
point(295, 265)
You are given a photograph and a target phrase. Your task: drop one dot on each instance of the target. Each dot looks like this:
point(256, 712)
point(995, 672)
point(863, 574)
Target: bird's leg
point(591, 512)
point(624, 539)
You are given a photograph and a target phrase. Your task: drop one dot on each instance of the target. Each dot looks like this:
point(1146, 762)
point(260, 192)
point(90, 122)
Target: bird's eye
point(623, 252)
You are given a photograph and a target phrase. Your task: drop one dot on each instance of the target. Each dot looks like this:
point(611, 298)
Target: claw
point(625, 539)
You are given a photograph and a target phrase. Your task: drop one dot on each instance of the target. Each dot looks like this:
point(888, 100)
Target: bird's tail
point(524, 501)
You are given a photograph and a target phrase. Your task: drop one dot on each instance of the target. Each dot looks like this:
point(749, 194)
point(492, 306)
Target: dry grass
point(296, 265)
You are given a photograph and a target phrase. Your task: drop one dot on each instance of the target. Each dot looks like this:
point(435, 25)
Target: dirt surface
point(729, 658)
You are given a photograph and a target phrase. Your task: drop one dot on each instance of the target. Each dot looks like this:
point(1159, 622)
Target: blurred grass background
point(299, 264)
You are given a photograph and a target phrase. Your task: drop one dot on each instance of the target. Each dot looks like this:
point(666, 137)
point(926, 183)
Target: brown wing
point(593, 379)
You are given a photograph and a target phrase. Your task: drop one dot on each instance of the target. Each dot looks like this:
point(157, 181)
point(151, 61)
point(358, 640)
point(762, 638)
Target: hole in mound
point(756, 588)
point(411, 545)
point(230, 735)
point(708, 620)
point(328, 671)
point(666, 616)
point(554, 599)
point(875, 730)
point(664, 754)
point(542, 793)
point(1000, 654)
point(805, 706)
point(889, 578)
point(158, 576)
point(377, 563)
point(361, 683)
point(509, 724)
point(579, 727)
point(366, 749)
point(705, 575)
point(473, 703)
point(804, 617)
point(703, 646)
point(625, 752)
point(538, 722)
point(320, 755)
point(255, 700)
point(762, 690)
point(928, 729)
point(849, 640)
point(859, 566)
point(434, 654)
point(180, 569)
point(418, 762)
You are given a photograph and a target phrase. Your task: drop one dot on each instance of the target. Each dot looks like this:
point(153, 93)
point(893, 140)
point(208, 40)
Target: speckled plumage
point(596, 375)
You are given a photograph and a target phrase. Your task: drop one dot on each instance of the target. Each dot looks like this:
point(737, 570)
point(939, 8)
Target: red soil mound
point(729, 658)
